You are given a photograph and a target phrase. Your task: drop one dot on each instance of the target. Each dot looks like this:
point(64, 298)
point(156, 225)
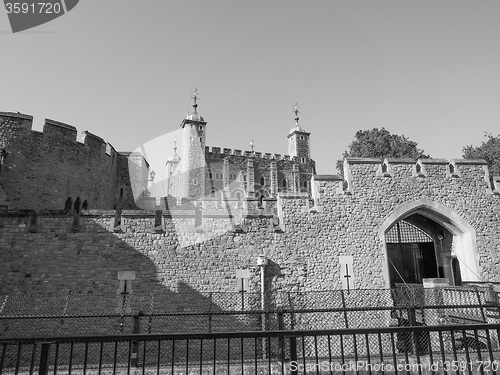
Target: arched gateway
point(424, 239)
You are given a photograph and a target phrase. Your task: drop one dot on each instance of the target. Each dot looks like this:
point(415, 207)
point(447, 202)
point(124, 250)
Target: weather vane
point(296, 111)
point(194, 96)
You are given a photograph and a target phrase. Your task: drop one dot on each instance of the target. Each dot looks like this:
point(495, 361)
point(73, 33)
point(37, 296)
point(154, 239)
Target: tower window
point(303, 160)
point(305, 184)
point(284, 182)
point(201, 128)
point(195, 181)
point(68, 204)
point(262, 181)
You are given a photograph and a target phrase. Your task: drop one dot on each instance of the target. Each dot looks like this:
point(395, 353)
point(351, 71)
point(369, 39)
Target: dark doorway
point(411, 254)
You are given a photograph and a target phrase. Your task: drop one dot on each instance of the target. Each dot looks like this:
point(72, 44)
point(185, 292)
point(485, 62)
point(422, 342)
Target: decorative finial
point(175, 145)
point(251, 145)
point(296, 111)
point(194, 96)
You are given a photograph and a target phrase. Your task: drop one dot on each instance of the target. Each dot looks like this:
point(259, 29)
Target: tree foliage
point(489, 151)
point(380, 143)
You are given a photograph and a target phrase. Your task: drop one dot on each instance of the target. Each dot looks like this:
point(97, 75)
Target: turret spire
point(296, 111)
point(194, 96)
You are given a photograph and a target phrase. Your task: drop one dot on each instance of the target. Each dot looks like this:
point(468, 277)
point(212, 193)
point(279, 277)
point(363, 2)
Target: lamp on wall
point(152, 175)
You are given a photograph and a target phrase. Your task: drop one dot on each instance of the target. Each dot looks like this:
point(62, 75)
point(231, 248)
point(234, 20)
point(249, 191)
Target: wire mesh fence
point(91, 314)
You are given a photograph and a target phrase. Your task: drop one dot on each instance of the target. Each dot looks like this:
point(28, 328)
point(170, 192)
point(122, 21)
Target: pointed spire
point(251, 145)
point(297, 126)
point(194, 116)
point(194, 96)
point(175, 157)
point(296, 111)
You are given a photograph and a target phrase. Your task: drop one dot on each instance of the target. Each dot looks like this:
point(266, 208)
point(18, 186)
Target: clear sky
point(125, 70)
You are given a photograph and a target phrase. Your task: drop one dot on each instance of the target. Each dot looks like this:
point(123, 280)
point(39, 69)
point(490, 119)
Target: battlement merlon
point(221, 151)
point(23, 121)
point(465, 169)
point(54, 131)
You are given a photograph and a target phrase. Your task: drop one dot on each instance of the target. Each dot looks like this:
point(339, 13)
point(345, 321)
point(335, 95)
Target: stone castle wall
point(200, 247)
point(43, 169)
point(262, 168)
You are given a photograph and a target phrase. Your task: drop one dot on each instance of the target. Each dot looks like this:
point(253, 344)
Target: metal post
point(44, 359)
point(135, 343)
point(293, 354)
point(262, 263)
point(281, 327)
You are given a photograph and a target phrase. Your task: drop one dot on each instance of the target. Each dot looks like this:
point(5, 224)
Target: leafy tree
point(489, 151)
point(380, 143)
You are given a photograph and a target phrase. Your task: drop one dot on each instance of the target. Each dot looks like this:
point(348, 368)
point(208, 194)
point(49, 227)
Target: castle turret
point(193, 153)
point(298, 141)
point(172, 178)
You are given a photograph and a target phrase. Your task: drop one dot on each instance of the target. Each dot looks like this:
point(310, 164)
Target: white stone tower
point(192, 161)
point(298, 141)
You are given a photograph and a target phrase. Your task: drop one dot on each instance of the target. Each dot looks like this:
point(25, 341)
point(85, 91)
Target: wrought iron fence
point(91, 314)
point(470, 349)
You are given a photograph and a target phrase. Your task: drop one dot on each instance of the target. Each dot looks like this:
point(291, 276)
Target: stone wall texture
point(43, 169)
point(199, 247)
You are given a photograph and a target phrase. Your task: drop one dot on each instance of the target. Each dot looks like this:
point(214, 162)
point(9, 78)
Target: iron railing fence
point(459, 349)
point(91, 314)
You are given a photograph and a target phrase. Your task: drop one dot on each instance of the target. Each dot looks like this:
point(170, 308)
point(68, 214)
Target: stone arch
point(76, 206)
point(68, 205)
point(238, 193)
point(464, 234)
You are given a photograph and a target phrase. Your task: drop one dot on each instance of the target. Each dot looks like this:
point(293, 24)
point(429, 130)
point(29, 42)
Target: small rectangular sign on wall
point(346, 272)
point(242, 276)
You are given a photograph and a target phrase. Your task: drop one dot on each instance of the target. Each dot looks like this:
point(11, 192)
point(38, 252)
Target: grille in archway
point(404, 232)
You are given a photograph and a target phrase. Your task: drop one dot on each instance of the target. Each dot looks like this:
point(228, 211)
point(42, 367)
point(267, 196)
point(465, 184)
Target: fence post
point(135, 344)
point(210, 312)
point(413, 322)
point(344, 308)
point(281, 327)
point(293, 355)
point(44, 359)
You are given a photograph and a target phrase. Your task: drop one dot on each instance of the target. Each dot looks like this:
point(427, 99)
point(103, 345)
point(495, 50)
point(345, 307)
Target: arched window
point(262, 181)
point(238, 195)
point(284, 182)
point(85, 205)
point(76, 206)
point(69, 204)
point(305, 184)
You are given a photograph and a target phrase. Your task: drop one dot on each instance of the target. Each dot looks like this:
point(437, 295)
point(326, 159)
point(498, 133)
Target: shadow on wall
point(58, 279)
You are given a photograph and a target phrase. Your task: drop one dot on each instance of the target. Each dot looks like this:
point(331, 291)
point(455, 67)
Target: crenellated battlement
point(52, 167)
point(18, 126)
point(219, 151)
point(432, 168)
